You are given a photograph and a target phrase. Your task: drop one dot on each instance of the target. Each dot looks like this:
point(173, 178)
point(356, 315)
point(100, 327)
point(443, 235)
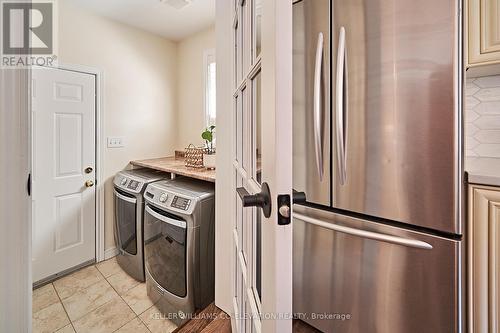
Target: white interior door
point(63, 105)
point(262, 157)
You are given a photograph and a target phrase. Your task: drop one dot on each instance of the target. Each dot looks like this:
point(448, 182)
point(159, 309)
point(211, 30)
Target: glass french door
point(247, 107)
point(262, 166)
point(246, 171)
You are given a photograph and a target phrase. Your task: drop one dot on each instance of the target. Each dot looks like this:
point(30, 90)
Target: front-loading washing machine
point(129, 186)
point(179, 236)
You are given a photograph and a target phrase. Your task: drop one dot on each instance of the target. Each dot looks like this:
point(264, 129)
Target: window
point(210, 83)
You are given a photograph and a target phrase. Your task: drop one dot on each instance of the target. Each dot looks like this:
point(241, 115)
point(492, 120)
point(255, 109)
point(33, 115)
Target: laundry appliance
point(129, 186)
point(179, 234)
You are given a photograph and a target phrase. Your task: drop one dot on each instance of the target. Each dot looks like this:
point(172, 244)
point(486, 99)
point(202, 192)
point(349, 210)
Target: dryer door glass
point(165, 250)
point(125, 222)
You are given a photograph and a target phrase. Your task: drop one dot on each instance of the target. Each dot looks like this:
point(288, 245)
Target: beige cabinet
point(483, 32)
point(484, 259)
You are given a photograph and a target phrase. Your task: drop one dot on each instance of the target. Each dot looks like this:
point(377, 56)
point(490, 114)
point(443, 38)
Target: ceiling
point(157, 16)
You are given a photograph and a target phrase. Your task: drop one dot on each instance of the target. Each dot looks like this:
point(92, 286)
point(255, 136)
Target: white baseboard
point(110, 253)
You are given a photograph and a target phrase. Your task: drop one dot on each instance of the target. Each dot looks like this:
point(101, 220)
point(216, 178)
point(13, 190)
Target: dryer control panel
point(128, 184)
point(179, 196)
point(170, 201)
point(180, 203)
point(135, 181)
point(134, 185)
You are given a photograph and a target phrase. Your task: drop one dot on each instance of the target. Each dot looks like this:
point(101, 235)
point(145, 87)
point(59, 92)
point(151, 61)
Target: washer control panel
point(180, 203)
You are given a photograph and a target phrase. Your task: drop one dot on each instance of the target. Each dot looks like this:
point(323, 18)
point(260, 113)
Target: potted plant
point(209, 157)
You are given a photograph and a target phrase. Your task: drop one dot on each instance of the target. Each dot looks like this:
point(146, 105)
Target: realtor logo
point(27, 33)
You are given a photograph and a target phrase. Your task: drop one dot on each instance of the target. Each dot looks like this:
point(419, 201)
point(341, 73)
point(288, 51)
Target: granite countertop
point(176, 166)
point(483, 170)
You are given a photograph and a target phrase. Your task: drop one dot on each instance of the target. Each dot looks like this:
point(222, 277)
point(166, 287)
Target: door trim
point(99, 152)
point(224, 257)
point(16, 302)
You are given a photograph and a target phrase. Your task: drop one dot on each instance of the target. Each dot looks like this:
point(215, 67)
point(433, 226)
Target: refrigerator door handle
point(364, 233)
point(318, 146)
point(341, 105)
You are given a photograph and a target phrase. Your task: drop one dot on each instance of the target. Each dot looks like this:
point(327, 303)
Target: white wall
point(191, 87)
point(140, 74)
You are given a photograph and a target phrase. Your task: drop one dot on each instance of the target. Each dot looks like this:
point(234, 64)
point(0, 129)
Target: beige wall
point(140, 74)
point(191, 116)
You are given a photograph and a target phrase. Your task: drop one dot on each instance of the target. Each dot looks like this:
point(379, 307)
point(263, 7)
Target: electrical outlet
point(115, 142)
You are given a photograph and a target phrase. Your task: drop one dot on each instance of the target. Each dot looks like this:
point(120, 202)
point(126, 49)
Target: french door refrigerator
point(378, 247)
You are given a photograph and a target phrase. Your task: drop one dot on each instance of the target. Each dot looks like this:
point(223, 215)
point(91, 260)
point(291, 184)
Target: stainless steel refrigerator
point(378, 247)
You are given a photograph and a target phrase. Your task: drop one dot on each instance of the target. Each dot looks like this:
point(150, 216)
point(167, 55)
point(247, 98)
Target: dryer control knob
point(163, 197)
point(124, 181)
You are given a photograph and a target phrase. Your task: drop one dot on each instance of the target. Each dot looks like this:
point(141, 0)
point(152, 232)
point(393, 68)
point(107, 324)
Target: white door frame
point(99, 152)
point(223, 214)
point(15, 204)
point(277, 160)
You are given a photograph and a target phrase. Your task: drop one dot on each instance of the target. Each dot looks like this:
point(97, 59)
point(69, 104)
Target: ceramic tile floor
point(97, 299)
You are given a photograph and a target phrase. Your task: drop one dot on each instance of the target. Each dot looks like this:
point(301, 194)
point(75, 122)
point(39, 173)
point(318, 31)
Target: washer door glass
point(126, 222)
point(165, 249)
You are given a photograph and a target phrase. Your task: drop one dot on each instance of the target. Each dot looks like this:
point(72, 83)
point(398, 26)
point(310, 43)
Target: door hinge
point(28, 186)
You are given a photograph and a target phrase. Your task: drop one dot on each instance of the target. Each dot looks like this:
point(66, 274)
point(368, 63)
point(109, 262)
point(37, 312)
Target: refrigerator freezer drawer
point(352, 276)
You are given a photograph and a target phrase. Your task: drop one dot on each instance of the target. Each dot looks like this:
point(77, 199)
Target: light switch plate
point(115, 142)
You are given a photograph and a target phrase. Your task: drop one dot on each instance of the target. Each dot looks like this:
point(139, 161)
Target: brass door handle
point(89, 183)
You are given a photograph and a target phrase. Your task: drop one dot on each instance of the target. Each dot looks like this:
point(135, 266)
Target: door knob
point(262, 199)
point(89, 183)
point(88, 169)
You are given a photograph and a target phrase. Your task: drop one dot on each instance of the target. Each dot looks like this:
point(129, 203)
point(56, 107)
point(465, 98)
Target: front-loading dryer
point(129, 186)
point(179, 236)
